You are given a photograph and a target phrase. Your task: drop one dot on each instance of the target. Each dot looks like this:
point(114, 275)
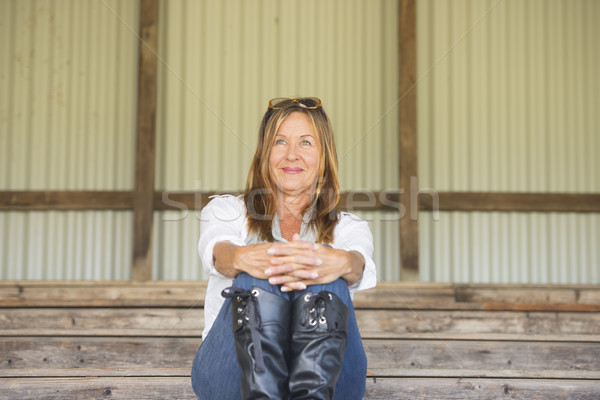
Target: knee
point(247, 282)
point(339, 287)
point(243, 280)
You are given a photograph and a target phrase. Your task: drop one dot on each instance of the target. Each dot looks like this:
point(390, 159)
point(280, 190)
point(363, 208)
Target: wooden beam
point(514, 202)
point(350, 201)
point(143, 204)
point(409, 224)
point(65, 200)
point(357, 200)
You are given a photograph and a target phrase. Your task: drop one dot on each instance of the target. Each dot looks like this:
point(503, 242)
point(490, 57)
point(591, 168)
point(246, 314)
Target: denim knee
point(246, 281)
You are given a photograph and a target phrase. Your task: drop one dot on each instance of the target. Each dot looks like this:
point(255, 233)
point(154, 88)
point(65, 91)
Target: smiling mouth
point(291, 170)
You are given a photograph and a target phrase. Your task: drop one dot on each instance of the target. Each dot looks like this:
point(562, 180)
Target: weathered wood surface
point(102, 294)
point(65, 200)
point(407, 140)
point(116, 356)
point(398, 324)
point(423, 341)
point(160, 388)
point(126, 388)
point(366, 200)
point(387, 295)
point(145, 150)
point(77, 356)
point(481, 389)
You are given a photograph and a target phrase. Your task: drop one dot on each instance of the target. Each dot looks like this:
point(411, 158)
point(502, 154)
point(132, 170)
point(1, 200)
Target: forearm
point(356, 267)
point(224, 259)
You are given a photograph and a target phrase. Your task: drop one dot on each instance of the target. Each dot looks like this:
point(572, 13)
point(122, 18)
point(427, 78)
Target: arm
point(223, 220)
point(230, 259)
point(223, 255)
point(357, 267)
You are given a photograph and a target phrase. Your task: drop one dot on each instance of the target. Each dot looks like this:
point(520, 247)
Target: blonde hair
point(260, 195)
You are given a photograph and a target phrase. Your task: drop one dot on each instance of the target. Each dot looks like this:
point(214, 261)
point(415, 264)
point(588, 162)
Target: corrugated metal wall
point(508, 101)
point(508, 93)
point(68, 73)
point(220, 64)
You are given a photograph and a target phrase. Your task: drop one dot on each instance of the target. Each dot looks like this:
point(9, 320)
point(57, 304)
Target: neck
point(292, 205)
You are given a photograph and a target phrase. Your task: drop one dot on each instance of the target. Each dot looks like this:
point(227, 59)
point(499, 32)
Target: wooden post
point(143, 206)
point(409, 224)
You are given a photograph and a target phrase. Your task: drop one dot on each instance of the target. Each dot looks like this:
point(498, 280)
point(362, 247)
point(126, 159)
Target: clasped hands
point(294, 265)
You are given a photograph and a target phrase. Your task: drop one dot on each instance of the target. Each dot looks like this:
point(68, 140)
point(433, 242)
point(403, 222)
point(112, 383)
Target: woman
point(286, 263)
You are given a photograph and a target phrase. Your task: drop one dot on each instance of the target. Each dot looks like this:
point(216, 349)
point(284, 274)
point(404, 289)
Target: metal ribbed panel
point(68, 72)
point(508, 100)
point(88, 245)
point(68, 101)
point(220, 64)
point(508, 95)
point(510, 248)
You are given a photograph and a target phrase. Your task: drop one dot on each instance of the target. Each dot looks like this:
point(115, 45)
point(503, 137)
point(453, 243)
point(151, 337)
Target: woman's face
point(294, 158)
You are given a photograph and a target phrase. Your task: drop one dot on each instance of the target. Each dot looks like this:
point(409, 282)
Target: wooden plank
point(350, 201)
point(483, 358)
point(480, 296)
point(496, 325)
point(382, 324)
point(407, 153)
point(65, 200)
point(359, 200)
point(99, 294)
point(525, 296)
point(77, 356)
point(387, 295)
point(513, 202)
point(481, 389)
point(139, 388)
point(160, 388)
point(143, 202)
point(157, 322)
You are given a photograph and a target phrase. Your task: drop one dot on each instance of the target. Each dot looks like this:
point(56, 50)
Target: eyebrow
point(302, 136)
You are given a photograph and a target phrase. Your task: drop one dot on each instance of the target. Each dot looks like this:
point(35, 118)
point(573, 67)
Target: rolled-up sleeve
point(354, 234)
point(222, 219)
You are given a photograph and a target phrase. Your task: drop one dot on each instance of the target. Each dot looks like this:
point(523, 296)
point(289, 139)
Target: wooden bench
point(122, 340)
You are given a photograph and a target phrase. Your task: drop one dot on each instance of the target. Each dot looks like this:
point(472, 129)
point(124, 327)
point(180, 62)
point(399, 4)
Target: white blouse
point(224, 219)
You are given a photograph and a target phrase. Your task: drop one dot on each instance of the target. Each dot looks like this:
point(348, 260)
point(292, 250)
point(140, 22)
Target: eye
point(280, 141)
point(305, 142)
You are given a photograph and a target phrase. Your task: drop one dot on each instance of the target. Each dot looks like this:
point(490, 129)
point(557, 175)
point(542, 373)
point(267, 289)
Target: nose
point(292, 152)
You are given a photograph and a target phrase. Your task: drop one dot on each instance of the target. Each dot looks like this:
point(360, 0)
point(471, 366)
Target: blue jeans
point(216, 373)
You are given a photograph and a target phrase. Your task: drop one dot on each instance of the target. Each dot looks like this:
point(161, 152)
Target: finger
point(297, 275)
point(299, 285)
point(282, 279)
point(290, 247)
point(279, 270)
point(300, 260)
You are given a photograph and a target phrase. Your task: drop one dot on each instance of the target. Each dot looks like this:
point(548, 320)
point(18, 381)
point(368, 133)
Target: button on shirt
point(224, 219)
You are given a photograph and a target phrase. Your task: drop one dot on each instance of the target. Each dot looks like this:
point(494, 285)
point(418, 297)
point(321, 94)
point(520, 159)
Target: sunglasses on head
point(310, 103)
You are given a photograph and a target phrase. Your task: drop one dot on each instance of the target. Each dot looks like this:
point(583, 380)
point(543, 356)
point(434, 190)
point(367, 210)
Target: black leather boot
point(319, 328)
point(261, 325)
